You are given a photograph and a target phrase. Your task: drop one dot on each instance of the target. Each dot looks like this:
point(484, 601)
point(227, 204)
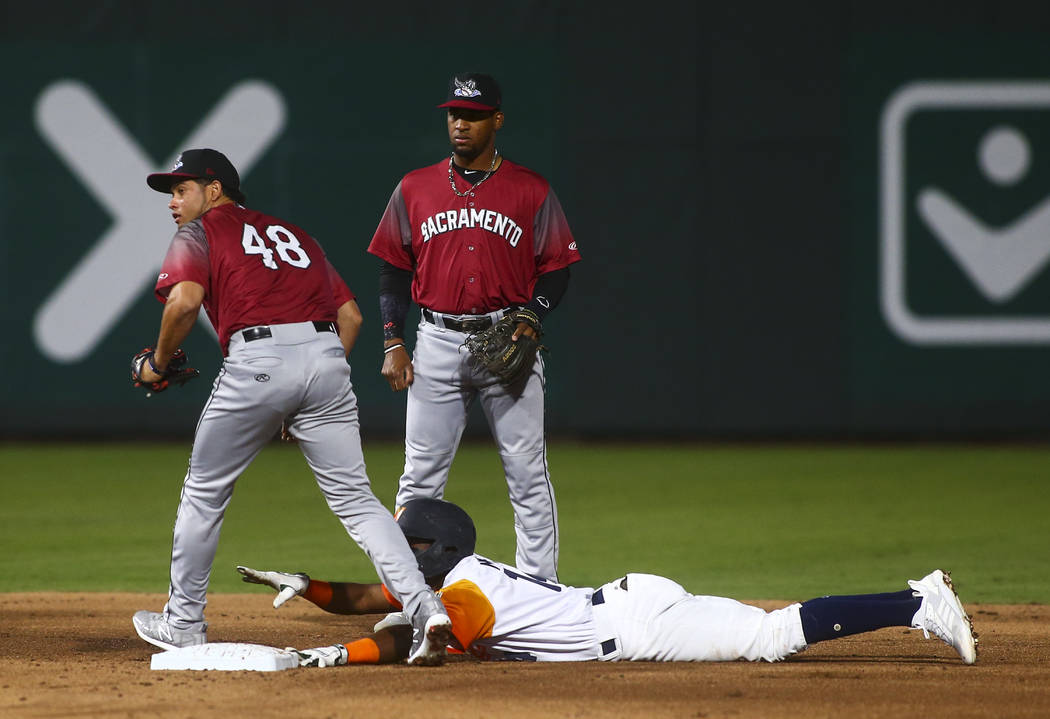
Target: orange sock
point(363, 651)
point(318, 592)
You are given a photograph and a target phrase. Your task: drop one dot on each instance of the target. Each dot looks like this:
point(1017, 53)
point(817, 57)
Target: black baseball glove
point(508, 360)
point(175, 373)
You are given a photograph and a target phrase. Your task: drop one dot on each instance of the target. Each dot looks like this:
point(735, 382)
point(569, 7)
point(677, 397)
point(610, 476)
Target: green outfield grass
point(750, 521)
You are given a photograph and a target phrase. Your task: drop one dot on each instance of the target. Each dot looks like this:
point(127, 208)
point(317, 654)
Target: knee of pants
point(206, 497)
point(535, 522)
point(776, 636)
point(534, 505)
point(521, 444)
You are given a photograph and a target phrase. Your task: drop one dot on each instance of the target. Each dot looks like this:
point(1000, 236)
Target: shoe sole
point(432, 653)
point(947, 577)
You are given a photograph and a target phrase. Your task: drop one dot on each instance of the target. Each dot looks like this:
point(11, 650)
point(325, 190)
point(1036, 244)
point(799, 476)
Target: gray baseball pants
point(446, 381)
point(300, 374)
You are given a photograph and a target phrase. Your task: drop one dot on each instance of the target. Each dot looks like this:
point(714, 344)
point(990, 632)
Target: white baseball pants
point(655, 619)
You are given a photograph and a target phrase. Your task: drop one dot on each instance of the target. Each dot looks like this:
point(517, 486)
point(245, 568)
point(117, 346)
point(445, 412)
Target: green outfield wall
point(826, 221)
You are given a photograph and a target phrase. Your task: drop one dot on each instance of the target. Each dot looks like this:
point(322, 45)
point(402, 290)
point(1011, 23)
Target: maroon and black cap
point(203, 164)
point(474, 91)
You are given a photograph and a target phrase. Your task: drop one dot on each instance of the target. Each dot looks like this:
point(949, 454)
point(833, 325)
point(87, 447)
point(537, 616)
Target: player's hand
point(528, 323)
point(286, 436)
point(146, 372)
point(148, 375)
point(397, 369)
point(287, 585)
point(523, 328)
point(333, 656)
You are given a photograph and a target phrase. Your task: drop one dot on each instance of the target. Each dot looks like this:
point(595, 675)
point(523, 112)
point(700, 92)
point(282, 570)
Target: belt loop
point(606, 632)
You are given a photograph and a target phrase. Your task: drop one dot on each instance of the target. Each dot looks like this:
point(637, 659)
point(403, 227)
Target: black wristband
point(535, 307)
point(149, 358)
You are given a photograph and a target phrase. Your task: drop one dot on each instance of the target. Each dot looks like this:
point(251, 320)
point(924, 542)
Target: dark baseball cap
point(205, 164)
point(473, 90)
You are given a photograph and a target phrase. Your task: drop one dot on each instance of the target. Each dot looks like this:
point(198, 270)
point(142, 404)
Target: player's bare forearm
point(352, 598)
point(180, 314)
point(349, 323)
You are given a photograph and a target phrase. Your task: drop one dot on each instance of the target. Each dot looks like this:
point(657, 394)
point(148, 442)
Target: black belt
point(258, 333)
point(474, 324)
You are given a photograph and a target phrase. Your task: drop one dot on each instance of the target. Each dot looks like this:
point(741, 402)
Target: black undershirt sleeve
point(395, 295)
point(550, 288)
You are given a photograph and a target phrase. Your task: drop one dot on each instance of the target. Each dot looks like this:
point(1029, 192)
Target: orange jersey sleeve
point(470, 610)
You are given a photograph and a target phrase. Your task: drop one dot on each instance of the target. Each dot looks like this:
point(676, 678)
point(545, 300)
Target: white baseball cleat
point(430, 641)
point(942, 613)
point(155, 628)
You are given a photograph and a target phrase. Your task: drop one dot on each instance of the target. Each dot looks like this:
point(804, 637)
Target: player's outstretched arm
point(334, 597)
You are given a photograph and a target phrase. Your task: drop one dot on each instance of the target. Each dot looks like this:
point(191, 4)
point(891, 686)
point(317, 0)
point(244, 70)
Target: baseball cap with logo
point(205, 164)
point(474, 91)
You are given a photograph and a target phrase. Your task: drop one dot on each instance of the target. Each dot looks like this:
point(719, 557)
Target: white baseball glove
point(333, 656)
point(287, 585)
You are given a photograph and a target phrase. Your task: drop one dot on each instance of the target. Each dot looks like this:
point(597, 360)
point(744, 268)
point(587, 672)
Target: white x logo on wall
point(111, 165)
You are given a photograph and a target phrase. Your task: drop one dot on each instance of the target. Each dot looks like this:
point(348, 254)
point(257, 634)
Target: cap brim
point(468, 104)
point(162, 181)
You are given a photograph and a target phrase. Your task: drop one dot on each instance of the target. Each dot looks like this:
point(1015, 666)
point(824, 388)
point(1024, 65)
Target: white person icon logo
point(999, 260)
point(1000, 257)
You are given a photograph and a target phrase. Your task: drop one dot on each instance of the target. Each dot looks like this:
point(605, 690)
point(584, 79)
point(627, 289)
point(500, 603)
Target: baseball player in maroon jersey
point(470, 239)
point(273, 299)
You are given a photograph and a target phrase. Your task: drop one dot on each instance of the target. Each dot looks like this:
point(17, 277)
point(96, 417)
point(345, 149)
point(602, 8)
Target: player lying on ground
point(499, 613)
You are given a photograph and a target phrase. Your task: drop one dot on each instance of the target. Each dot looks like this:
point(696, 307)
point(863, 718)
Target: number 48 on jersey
point(285, 243)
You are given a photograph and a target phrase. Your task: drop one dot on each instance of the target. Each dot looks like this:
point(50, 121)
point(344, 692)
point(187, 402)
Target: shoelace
point(942, 614)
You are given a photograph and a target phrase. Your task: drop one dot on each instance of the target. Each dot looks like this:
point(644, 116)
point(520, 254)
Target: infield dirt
point(76, 655)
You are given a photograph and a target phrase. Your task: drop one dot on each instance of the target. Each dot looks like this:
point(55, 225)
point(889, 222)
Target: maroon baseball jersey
point(255, 270)
point(477, 253)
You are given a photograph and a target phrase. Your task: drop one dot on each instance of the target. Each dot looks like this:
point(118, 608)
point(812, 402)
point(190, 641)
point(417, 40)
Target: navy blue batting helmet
point(446, 526)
